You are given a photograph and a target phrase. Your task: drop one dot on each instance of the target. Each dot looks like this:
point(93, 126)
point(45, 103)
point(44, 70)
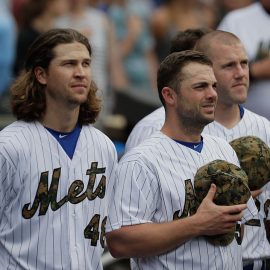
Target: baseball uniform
point(255, 244)
point(145, 128)
point(155, 184)
point(53, 209)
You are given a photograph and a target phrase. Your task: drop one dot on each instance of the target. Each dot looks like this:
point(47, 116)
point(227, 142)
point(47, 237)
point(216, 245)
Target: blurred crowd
point(129, 39)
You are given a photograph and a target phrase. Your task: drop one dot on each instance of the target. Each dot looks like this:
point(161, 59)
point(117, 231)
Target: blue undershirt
point(194, 146)
point(242, 111)
point(67, 140)
point(198, 146)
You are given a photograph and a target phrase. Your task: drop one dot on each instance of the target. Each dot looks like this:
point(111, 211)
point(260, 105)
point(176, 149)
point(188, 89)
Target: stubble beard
point(194, 122)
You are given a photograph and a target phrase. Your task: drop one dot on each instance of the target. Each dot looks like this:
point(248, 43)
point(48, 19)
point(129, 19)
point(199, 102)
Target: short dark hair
point(27, 94)
point(169, 72)
point(186, 40)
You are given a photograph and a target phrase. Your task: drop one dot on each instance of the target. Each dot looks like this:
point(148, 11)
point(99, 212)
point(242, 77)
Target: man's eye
point(201, 86)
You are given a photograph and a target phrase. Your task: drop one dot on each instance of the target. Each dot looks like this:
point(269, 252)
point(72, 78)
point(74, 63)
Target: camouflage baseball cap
point(254, 158)
point(232, 189)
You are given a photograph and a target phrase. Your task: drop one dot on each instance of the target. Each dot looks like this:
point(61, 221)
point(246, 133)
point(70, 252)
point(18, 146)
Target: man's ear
point(41, 75)
point(169, 95)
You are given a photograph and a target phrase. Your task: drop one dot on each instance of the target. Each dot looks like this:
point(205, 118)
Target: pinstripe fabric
point(145, 128)
point(52, 237)
point(151, 188)
point(255, 244)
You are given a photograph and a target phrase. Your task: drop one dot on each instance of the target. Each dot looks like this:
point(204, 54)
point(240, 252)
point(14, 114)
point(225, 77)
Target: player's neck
point(227, 115)
point(60, 120)
point(182, 132)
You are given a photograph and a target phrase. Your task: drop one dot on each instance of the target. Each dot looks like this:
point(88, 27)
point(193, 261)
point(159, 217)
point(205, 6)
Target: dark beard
point(194, 124)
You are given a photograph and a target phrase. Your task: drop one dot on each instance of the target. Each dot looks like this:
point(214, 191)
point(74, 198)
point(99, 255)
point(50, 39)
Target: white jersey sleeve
point(145, 128)
point(136, 192)
point(8, 173)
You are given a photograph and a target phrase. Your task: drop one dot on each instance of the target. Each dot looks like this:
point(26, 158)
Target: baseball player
point(152, 218)
point(184, 40)
point(255, 244)
point(230, 65)
point(57, 171)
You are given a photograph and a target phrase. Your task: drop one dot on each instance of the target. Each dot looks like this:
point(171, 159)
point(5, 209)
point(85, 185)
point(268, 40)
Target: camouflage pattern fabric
point(232, 189)
point(254, 158)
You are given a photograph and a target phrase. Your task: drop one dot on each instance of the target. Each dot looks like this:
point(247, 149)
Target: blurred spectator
point(225, 6)
point(7, 52)
point(16, 8)
point(157, 3)
point(93, 23)
point(101, 5)
point(229, 5)
point(37, 17)
point(135, 43)
point(179, 15)
point(251, 25)
point(131, 20)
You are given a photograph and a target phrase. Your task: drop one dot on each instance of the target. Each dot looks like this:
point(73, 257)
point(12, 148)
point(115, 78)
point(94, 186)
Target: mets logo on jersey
point(47, 196)
point(190, 205)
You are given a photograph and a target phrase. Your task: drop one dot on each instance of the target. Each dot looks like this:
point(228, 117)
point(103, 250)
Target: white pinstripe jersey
point(53, 209)
point(152, 182)
point(145, 128)
point(255, 244)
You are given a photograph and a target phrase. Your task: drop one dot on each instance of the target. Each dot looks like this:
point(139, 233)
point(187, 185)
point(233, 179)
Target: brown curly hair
point(28, 99)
